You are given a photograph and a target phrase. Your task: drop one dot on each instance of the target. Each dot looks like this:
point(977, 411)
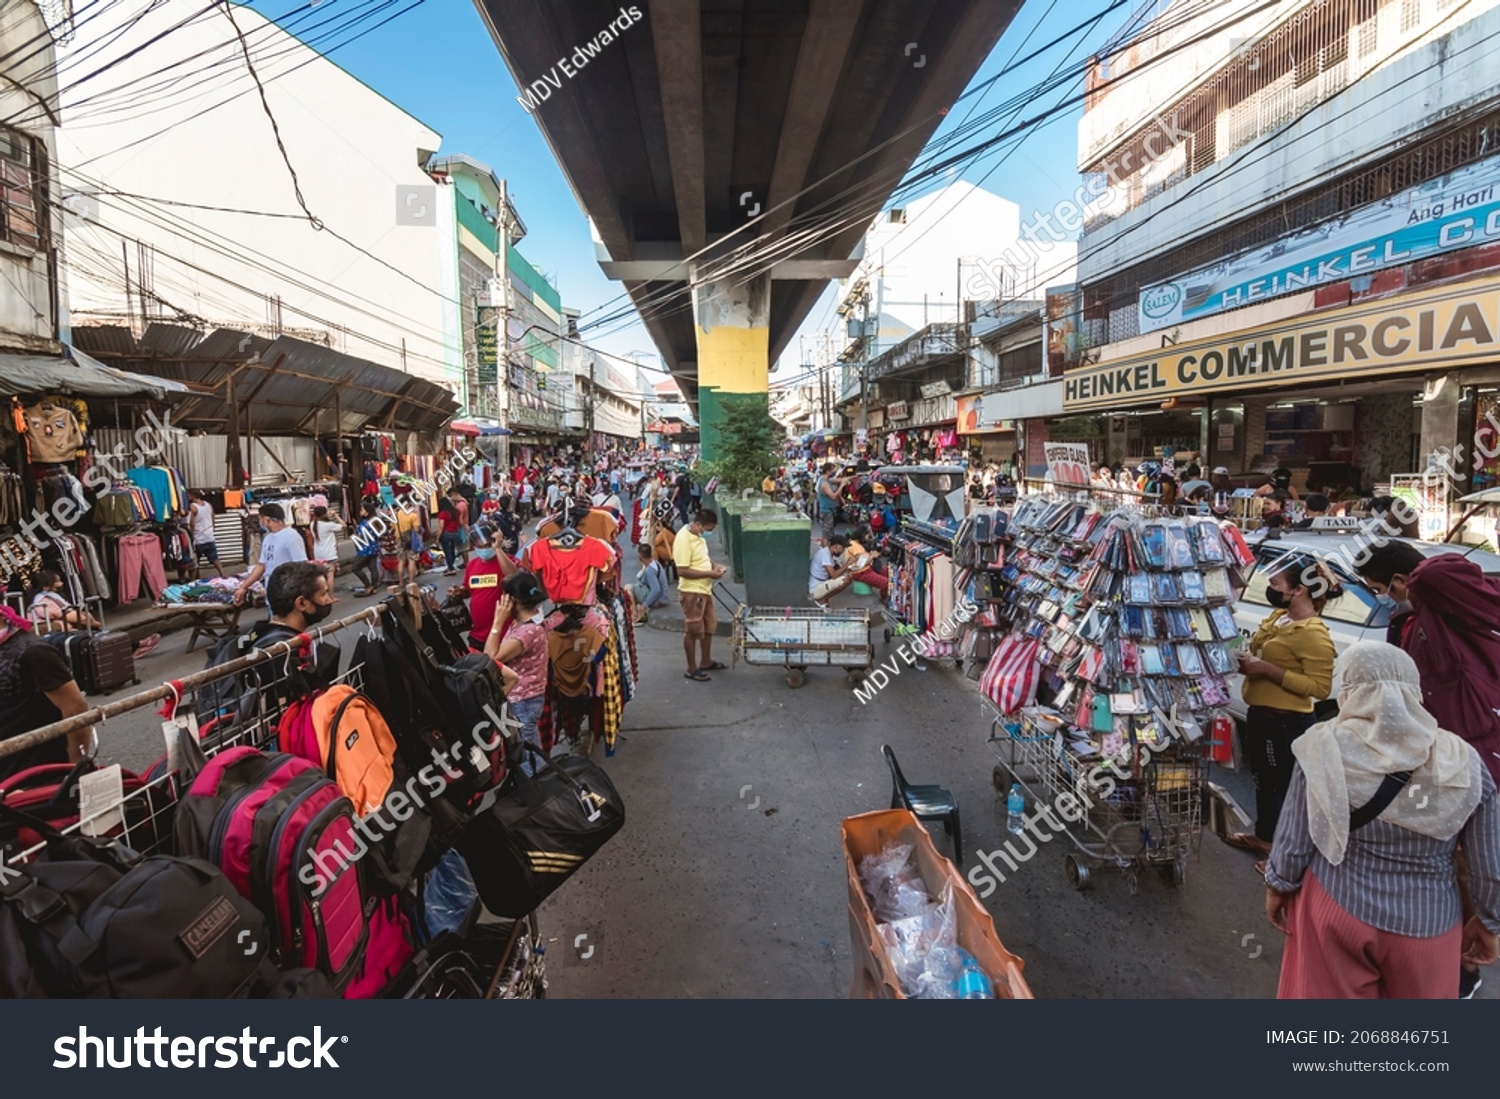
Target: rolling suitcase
point(102, 661)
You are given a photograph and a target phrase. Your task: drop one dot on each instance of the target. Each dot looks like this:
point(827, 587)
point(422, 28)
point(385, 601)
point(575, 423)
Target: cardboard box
point(868, 834)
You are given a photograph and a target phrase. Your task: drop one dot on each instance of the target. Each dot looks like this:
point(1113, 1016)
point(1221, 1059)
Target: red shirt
point(565, 573)
point(482, 581)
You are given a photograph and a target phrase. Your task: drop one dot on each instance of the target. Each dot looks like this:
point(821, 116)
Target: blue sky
point(439, 63)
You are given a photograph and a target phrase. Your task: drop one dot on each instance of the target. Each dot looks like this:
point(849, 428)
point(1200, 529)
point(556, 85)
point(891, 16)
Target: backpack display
point(342, 732)
point(285, 838)
point(50, 792)
point(92, 919)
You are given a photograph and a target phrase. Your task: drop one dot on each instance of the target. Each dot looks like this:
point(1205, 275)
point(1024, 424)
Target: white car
point(1358, 614)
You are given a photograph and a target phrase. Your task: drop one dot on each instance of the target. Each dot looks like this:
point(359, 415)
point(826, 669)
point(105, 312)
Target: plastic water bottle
point(1015, 805)
point(973, 984)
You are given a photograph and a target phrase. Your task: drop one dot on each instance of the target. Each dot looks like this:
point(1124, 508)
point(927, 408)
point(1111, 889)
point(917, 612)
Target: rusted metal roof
point(283, 386)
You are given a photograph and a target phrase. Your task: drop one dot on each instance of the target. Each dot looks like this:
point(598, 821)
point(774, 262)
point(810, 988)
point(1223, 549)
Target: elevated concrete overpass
point(731, 153)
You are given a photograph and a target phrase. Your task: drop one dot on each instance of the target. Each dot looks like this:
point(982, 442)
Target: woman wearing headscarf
point(1452, 637)
point(1362, 877)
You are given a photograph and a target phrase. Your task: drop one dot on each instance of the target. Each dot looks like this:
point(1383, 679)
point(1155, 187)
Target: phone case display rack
point(1131, 620)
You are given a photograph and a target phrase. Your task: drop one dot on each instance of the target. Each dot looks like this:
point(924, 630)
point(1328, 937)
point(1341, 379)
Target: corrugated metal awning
point(77, 374)
point(284, 386)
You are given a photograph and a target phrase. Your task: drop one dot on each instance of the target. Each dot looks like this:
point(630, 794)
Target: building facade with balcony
point(1297, 259)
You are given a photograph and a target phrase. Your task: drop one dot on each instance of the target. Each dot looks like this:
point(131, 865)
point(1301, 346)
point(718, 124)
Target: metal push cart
point(797, 638)
point(493, 958)
point(1152, 818)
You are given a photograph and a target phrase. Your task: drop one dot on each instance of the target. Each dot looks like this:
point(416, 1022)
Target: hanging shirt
point(566, 573)
point(572, 662)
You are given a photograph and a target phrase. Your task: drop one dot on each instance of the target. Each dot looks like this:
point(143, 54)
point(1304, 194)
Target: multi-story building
point(908, 313)
point(605, 402)
point(1296, 260)
point(486, 227)
point(311, 215)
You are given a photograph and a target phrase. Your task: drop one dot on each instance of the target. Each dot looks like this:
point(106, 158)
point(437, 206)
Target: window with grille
point(21, 183)
point(1411, 14)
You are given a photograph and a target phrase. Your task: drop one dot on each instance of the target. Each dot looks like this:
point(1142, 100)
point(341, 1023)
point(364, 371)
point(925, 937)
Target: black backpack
point(92, 919)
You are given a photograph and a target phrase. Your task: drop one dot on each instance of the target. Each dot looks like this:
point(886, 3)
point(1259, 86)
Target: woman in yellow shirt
point(1288, 668)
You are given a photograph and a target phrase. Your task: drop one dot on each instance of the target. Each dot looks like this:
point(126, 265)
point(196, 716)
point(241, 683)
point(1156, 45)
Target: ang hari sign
point(1442, 328)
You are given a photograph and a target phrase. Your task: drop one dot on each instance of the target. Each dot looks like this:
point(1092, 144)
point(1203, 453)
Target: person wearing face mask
point(300, 597)
point(282, 545)
point(483, 575)
point(1386, 571)
point(1288, 668)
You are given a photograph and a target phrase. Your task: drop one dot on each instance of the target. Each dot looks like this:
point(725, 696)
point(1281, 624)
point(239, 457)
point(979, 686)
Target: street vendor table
point(212, 620)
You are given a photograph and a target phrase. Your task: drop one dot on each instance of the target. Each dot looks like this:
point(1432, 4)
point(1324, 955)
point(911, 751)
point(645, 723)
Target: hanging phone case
point(1134, 622)
point(1208, 542)
point(1215, 584)
point(1169, 659)
point(1138, 588)
point(1224, 625)
point(1189, 659)
point(1180, 547)
point(1164, 588)
point(1219, 659)
point(1130, 657)
point(1179, 623)
point(1151, 660)
point(1203, 629)
point(1154, 545)
point(1193, 588)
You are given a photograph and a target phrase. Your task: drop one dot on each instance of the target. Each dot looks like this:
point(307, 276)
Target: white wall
point(1437, 79)
point(26, 316)
point(351, 148)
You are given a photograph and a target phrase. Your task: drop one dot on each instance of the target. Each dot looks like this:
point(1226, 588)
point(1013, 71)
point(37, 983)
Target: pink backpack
point(285, 837)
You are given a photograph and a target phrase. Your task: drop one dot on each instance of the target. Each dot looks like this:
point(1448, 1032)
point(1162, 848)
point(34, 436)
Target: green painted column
point(733, 323)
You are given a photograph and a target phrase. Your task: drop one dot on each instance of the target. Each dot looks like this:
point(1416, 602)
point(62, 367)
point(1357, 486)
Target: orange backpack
point(342, 731)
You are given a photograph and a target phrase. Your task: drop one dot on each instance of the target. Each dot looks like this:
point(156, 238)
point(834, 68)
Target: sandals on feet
point(714, 666)
point(696, 676)
point(1248, 841)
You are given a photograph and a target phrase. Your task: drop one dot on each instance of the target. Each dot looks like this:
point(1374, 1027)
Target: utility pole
point(864, 362)
point(502, 336)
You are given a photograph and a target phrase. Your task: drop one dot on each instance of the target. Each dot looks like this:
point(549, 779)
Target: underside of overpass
point(732, 153)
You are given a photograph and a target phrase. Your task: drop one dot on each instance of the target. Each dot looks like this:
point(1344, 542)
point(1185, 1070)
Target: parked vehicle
point(1357, 615)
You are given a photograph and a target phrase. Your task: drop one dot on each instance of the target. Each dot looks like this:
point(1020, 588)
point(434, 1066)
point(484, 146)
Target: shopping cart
point(1153, 817)
point(508, 953)
point(797, 638)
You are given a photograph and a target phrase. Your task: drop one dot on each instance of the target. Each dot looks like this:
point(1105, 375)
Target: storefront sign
point(487, 344)
point(975, 419)
point(1067, 463)
point(1459, 210)
point(897, 410)
point(1437, 329)
point(936, 389)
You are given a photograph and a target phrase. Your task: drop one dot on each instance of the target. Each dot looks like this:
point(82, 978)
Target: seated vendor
point(828, 575)
point(860, 562)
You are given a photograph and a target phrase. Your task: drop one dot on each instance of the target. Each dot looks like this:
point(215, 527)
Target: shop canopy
point(76, 374)
point(245, 383)
point(475, 428)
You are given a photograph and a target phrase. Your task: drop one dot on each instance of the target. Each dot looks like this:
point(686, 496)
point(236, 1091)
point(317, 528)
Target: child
point(524, 650)
point(651, 584)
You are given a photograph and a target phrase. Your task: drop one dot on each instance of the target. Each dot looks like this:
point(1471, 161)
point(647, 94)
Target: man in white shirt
point(828, 575)
point(282, 544)
point(201, 527)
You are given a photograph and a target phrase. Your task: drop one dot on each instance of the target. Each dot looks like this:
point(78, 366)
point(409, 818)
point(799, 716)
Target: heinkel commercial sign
point(1459, 210)
point(1441, 328)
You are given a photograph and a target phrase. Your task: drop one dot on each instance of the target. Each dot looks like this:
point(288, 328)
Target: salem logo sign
point(1161, 301)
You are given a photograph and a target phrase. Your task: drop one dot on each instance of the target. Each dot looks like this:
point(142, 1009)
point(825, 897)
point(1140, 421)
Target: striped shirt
point(1391, 878)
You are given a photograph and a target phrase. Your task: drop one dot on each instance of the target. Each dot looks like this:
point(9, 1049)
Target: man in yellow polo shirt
point(696, 574)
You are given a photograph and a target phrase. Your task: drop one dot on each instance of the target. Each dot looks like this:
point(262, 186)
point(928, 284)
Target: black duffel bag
point(90, 918)
point(537, 836)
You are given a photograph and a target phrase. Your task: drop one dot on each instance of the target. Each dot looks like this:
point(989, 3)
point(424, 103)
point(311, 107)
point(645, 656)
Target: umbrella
point(476, 427)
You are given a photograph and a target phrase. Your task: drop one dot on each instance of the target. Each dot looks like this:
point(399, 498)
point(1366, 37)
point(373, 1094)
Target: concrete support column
point(733, 319)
